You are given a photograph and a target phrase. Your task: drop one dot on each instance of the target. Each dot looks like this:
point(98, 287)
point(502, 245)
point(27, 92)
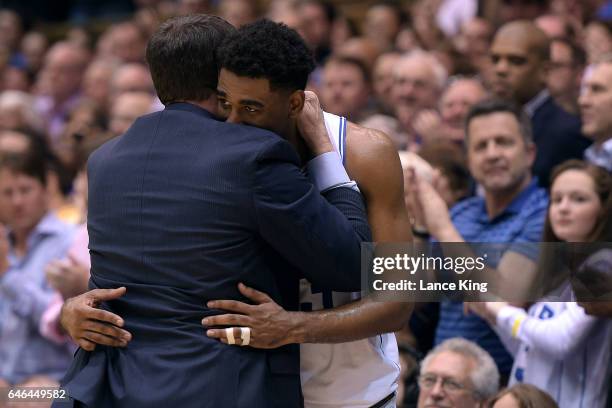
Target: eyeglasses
point(451, 386)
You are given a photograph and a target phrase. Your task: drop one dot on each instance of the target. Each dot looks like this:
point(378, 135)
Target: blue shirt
point(521, 222)
point(600, 155)
point(24, 297)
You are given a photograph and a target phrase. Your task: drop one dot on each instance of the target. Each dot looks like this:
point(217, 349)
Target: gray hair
point(24, 102)
point(439, 71)
point(485, 376)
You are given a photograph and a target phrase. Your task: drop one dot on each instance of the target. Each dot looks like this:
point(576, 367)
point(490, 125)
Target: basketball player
point(264, 70)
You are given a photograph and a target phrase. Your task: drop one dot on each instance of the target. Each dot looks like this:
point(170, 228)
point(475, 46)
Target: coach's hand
point(87, 325)
point(271, 325)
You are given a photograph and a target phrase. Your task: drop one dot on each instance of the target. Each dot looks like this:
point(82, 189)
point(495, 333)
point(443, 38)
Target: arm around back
point(321, 236)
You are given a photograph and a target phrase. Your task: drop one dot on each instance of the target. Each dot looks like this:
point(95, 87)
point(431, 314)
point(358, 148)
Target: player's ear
point(296, 103)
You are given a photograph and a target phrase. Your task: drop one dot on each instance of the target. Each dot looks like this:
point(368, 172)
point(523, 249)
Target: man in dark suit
point(520, 55)
point(182, 208)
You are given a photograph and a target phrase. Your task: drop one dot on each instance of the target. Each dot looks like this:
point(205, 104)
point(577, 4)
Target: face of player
point(250, 101)
point(574, 206)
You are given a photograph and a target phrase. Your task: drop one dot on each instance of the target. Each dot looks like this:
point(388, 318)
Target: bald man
point(520, 58)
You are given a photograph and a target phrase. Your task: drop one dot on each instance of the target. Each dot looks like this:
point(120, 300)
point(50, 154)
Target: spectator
point(36, 237)
point(500, 153)
point(451, 177)
point(317, 17)
point(86, 123)
point(511, 10)
point(474, 41)
point(11, 29)
point(131, 78)
point(16, 112)
point(595, 106)
point(520, 53)
point(15, 79)
point(382, 80)
point(407, 40)
point(598, 39)
point(383, 21)
point(128, 107)
point(238, 12)
point(64, 68)
point(286, 12)
point(361, 48)
point(34, 47)
point(457, 99)
point(127, 43)
point(418, 82)
point(346, 88)
point(557, 346)
point(566, 67)
point(97, 81)
point(57, 181)
point(458, 374)
point(555, 26)
point(522, 396)
point(186, 7)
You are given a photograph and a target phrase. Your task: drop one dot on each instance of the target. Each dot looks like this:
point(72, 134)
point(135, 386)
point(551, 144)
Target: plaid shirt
point(24, 296)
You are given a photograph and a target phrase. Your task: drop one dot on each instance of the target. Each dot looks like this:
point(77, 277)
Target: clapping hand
point(68, 276)
point(485, 310)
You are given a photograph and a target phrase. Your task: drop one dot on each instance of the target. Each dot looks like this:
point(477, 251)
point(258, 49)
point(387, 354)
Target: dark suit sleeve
point(320, 236)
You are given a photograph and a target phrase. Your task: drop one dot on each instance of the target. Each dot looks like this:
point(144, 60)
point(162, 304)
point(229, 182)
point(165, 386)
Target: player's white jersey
point(348, 375)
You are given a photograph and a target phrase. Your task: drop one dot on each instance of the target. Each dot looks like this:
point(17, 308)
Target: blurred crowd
point(501, 112)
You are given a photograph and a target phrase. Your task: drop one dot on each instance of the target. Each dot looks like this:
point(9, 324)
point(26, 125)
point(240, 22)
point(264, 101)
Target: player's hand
point(270, 324)
point(87, 325)
point(311, 125)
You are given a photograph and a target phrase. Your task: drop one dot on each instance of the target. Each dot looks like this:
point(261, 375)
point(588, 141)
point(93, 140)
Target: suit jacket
point(182, 208)
point(558, 138)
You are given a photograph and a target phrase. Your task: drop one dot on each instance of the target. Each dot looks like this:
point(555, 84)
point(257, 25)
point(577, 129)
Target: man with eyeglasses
point(457, 374)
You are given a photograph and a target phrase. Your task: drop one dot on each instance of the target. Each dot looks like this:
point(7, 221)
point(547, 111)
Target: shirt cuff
point(326, 172)
point(509, 319)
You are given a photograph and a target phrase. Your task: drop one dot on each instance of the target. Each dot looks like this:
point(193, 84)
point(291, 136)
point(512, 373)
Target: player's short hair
point(269, 50)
